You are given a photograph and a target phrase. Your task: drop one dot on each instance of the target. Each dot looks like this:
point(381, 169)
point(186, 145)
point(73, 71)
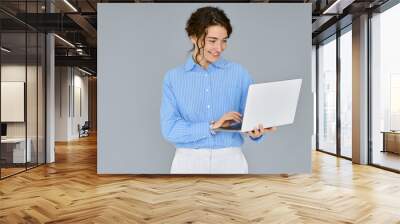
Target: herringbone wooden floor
point(70, 191)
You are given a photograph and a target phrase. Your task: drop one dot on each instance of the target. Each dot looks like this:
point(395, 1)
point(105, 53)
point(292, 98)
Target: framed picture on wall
point(12, 101)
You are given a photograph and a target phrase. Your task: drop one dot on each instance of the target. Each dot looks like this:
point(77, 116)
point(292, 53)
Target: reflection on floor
point(346, 152)
point(386, 159)
point(10, 169)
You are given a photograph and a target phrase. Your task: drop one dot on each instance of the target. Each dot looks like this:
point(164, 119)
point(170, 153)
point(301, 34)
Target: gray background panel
point(138, 43)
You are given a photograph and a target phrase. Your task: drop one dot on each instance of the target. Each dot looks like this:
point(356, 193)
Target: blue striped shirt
point(193, 97)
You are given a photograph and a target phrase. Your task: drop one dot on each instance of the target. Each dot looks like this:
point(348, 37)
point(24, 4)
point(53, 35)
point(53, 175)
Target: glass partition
point(32, 95)
point(14, 153)
point(327, 95)
point(41, 88)
point(385, 89)
point(22, 63)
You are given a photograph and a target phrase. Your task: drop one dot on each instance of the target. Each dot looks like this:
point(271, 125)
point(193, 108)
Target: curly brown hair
point(203, 18)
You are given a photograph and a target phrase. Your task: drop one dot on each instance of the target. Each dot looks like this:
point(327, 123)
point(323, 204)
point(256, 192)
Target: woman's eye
point(214, 41)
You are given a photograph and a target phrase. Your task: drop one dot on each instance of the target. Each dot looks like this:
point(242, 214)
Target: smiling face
point(215, 43)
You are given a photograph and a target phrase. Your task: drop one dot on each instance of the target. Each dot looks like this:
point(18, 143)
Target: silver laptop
point(271, 104)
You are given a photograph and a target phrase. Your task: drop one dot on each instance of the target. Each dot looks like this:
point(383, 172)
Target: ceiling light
point(329, 9)
point(86, 72)
point(5, 50)
point(70, 5)
point(65, 41)
point(338, 6)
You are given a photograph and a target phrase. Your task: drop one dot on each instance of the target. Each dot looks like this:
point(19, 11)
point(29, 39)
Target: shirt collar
point(190, 64)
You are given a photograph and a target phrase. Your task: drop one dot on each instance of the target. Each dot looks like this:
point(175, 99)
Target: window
point(327, 96)
point(346, 93)
point(385, 88)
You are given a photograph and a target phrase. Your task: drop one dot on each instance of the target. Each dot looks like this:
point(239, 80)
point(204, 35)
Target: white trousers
point(209, 161)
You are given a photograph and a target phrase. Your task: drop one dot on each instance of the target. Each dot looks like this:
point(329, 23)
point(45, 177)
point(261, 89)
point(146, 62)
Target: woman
point(206, 93)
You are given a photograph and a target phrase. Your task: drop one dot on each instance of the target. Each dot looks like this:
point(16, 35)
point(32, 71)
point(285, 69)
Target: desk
point(391, 141)
point(15, 148)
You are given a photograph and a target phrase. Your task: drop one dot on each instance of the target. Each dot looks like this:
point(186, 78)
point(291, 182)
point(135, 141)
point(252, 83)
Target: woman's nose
point(219, 48)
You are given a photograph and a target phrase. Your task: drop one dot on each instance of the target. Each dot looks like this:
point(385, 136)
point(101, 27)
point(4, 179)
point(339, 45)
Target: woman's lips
point(214, 54)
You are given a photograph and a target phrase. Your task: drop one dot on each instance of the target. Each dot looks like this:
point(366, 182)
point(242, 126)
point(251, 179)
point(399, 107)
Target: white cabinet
point(18, 149)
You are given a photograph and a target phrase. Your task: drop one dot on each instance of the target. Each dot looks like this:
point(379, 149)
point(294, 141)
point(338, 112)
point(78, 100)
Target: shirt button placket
point(208, 96)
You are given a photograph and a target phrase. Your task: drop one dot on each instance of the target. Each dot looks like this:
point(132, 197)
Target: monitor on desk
point(3, 130)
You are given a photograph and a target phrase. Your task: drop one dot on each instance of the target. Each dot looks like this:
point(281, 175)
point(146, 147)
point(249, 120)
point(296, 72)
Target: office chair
point(84, 130)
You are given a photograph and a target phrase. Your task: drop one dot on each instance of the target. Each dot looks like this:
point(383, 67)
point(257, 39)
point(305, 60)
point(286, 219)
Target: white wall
point(16, 73)
point(70, 83)
point(79, 117)
point(33, 127)
point(62, 80)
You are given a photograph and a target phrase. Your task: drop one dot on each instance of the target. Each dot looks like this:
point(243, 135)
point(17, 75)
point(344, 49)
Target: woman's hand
point(257, 132)
point(227, 119)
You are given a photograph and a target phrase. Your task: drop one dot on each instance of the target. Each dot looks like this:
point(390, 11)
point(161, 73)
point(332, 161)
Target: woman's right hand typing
point(227, 119)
